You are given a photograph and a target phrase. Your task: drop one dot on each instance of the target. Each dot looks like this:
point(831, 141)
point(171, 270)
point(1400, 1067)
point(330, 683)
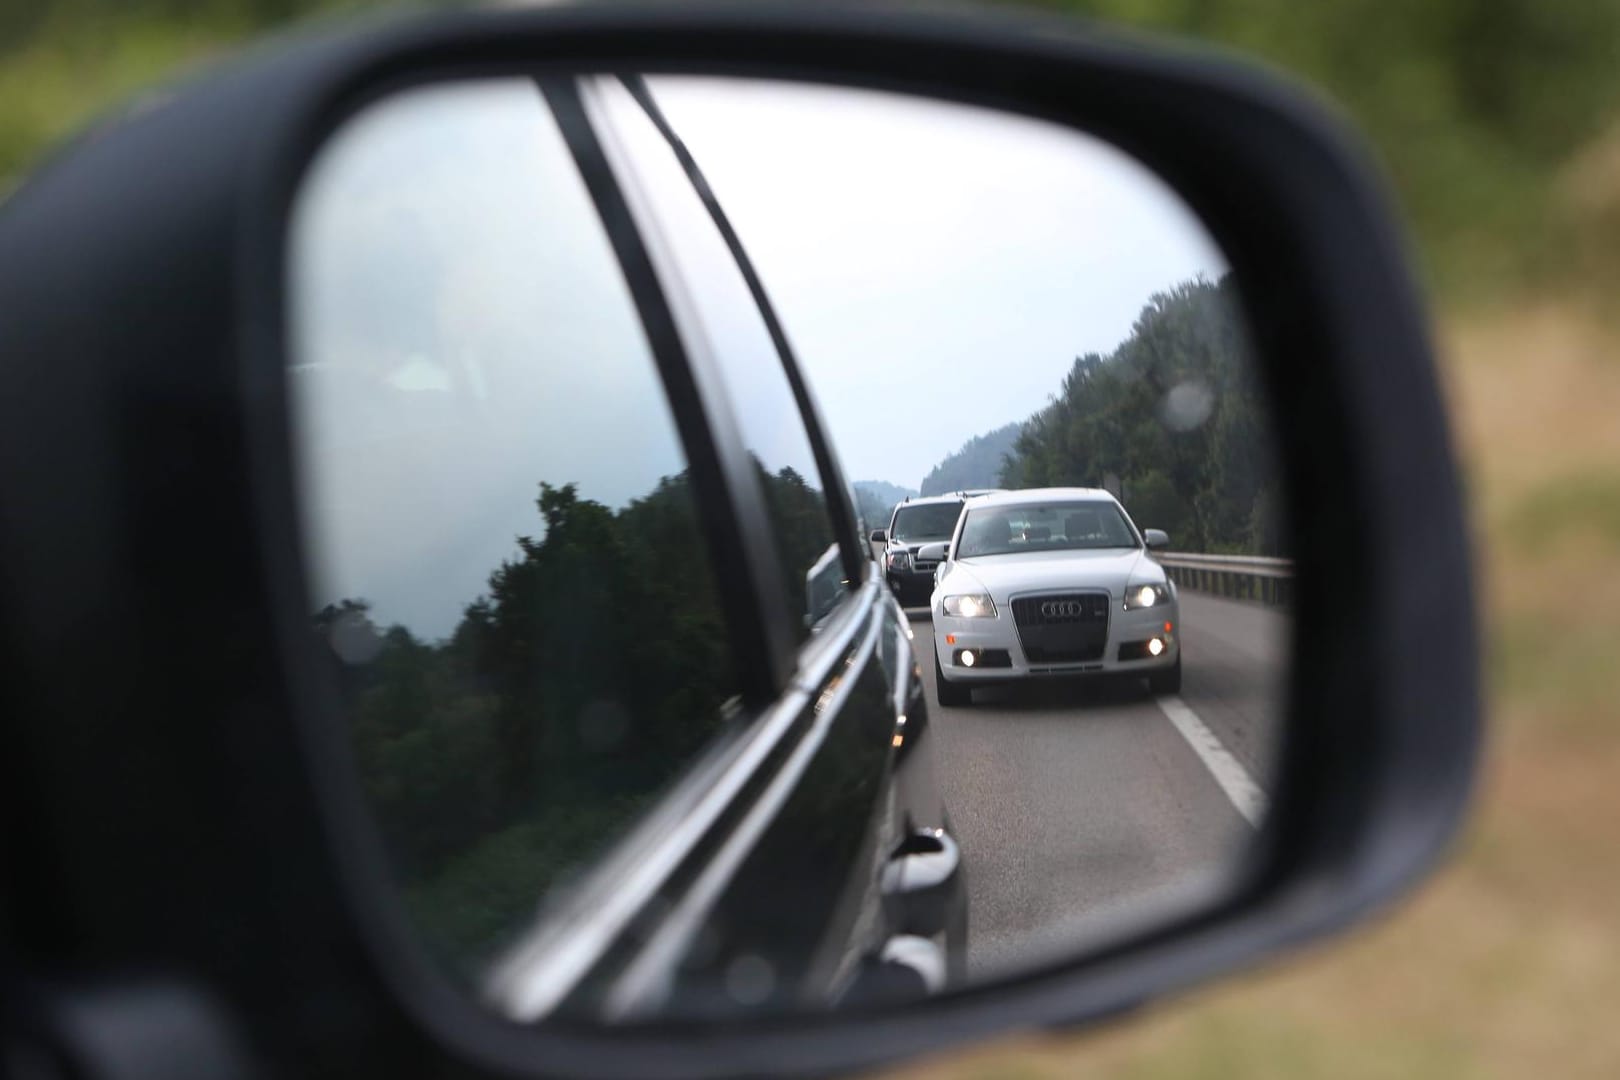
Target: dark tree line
point(1173, 418)
point(499, 760)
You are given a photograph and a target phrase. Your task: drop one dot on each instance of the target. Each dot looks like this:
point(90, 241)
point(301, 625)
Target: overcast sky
point(463, 333)
point(938, 267)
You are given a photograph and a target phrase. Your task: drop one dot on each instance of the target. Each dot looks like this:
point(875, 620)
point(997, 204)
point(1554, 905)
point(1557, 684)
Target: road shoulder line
point(1246, 795)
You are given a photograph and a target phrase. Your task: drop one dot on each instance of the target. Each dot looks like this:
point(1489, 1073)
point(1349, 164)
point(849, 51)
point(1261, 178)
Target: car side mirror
point(605, 809)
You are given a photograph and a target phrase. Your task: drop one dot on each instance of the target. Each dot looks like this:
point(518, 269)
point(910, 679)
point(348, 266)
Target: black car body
point(915, 524)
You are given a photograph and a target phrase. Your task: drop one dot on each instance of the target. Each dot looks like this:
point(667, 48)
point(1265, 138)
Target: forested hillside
point(976, 465)
point(498, 760)
point(1172, 414)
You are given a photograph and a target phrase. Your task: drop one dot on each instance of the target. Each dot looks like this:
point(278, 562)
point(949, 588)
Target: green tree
point(498, 761)
point(1173, 413)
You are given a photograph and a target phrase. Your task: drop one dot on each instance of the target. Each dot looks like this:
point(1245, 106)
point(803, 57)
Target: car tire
point(950, 695)
point(1161, 682)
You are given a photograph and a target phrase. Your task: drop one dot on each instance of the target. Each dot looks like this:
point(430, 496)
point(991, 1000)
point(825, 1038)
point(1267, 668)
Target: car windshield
point(1006, 530)
point(931, 521)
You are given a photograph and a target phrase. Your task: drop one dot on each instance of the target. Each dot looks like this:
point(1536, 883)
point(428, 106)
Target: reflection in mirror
point(1011, 695)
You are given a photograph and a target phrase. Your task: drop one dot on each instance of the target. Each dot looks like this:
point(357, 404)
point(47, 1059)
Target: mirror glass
point(778, 547)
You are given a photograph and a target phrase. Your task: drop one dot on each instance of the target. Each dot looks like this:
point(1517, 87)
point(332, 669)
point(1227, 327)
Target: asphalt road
point(1083, 810)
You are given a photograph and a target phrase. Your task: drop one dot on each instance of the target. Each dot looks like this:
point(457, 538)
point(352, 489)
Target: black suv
point(916, 523)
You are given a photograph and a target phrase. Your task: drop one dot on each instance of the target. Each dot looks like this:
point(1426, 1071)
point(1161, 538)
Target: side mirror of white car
point(1156, 539)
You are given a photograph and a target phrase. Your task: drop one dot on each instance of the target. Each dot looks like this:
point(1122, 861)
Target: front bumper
point(913, 587)
point(1127, 629)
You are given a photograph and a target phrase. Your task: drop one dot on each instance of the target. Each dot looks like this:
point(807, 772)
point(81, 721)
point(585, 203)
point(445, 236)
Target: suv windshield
point(933, 521)
point(1006, 530)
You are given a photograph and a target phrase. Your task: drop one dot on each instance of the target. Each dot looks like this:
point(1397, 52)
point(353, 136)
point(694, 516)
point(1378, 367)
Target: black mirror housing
point(168, 365)
point(879, 536)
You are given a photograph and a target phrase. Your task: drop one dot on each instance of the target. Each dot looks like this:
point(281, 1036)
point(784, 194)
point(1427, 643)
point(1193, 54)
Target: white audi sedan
point(1052, 582)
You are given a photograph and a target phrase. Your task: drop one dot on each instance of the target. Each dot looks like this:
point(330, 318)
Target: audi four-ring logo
point(1057, 609)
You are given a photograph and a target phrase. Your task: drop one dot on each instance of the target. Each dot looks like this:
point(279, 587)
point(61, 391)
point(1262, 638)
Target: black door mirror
point(534, 694)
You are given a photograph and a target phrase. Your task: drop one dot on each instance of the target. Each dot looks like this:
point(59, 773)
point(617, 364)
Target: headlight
point(1141, 596)
point(972, 606)
point(899, 560)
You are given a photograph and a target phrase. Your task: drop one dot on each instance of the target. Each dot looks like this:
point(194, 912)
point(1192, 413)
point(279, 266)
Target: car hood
point(1007, 575)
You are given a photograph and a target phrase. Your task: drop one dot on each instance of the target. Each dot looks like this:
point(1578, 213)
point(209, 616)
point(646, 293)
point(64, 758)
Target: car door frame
point(789, 711)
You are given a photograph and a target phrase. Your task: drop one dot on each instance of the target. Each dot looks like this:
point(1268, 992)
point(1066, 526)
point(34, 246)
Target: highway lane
point(1082, 810)
point(1234, 661)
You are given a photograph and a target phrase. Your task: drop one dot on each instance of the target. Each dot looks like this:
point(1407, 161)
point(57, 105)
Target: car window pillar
point(731, 504)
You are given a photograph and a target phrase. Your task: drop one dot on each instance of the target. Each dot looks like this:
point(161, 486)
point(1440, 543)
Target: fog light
point(968, 658)
point(1155, 647)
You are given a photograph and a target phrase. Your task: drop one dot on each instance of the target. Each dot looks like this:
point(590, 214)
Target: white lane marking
point(1229, 773)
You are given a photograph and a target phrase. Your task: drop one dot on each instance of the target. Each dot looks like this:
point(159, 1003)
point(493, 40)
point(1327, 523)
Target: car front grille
point(1062, 628)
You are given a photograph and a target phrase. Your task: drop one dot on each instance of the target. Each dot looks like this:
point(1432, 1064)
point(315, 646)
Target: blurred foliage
point(1488, 115)
point(1583, 506)
point(1476, 108)
point(62, 62)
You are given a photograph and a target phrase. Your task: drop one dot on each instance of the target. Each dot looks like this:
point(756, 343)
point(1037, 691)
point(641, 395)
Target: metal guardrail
point(1241, 577)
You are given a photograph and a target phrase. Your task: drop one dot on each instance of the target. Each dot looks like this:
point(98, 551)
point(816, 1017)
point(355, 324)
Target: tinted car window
point(497, 503)
point(768, 414)
point(929, 522)
point(1001, 530)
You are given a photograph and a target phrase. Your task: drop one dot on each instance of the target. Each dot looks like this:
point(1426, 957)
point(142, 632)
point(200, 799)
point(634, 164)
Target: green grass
point(54, 84)
point(1580, 507)
point(59, 73)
